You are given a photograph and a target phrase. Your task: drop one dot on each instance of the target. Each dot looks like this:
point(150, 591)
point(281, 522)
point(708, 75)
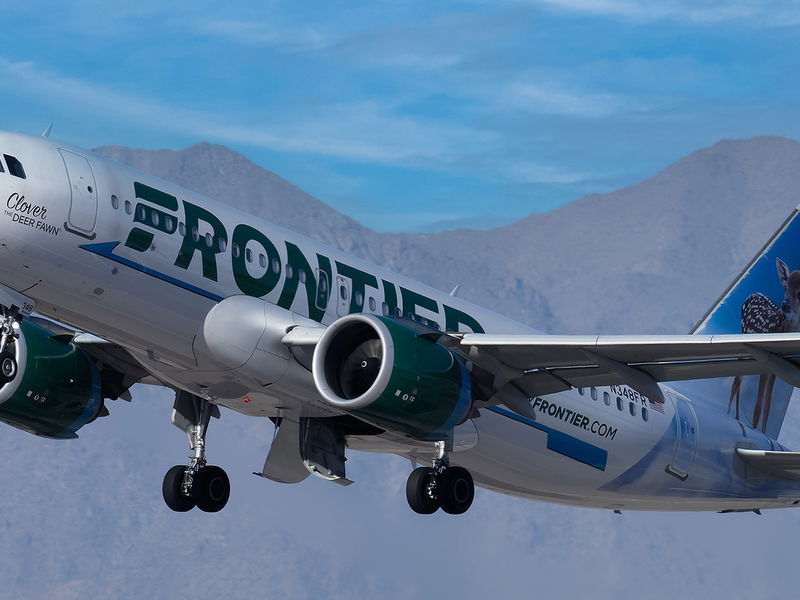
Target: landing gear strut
point(196, 484)
point(440, 486)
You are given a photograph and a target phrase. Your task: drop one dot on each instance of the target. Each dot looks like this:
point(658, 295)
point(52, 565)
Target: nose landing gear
point(440, 486)
point(197, 484)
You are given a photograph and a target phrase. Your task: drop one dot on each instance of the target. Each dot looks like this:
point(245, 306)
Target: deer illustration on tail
point(762, 315)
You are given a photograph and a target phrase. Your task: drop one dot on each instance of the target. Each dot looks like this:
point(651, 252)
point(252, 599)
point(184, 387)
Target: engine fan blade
point(360, 369)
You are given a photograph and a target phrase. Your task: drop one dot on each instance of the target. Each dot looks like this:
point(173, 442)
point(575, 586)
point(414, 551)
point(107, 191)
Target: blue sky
point(403, 114)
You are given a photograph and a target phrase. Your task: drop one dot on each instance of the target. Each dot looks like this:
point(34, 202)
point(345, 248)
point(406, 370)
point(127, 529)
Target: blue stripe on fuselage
point(560, 442)
point(106, 249)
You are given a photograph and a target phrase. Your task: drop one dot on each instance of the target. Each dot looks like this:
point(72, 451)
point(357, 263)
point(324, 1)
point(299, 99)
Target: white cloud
point(550, 98)
point(260, 33)
point(362, 131)
point(757, 12)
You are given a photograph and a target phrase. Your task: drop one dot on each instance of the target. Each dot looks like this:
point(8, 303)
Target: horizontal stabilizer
point(785, 465)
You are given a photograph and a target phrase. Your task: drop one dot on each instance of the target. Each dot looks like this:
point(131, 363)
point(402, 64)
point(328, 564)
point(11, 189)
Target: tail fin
point(764, 298)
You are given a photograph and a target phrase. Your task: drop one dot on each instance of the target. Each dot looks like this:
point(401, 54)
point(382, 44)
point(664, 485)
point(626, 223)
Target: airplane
point(110, 277)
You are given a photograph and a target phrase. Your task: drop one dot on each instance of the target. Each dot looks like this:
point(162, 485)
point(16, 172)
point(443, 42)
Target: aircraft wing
point(119, 369)
point(543, 364)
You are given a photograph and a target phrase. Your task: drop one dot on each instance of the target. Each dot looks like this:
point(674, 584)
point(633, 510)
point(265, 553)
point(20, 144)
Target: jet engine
point(48, 386)
point(390, 375)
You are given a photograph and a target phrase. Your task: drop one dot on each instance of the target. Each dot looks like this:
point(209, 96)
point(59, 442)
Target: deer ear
point(783, 271)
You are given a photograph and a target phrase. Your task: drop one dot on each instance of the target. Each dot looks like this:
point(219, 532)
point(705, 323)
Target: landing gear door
point(686, 438)
point(83, 203)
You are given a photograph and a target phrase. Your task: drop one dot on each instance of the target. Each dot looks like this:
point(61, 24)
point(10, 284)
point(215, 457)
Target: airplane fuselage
point(140, 261)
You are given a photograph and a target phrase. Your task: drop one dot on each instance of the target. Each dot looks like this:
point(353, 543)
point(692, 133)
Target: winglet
point(46, 132)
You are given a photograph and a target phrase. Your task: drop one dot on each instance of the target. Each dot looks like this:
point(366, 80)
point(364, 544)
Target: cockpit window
point(14, 166)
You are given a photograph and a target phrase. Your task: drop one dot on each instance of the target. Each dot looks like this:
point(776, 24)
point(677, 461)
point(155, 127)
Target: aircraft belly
point(550, 463)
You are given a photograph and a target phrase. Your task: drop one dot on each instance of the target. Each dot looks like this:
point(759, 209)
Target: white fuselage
point(141, 262)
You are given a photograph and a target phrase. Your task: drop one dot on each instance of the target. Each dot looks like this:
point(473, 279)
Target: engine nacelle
point(387, 374)
point(56, 389)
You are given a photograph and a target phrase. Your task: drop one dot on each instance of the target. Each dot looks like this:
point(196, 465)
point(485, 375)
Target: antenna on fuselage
point(455, 290)
point(46, 132)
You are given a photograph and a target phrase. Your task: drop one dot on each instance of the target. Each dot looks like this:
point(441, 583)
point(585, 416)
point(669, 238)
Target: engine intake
point(387, 374)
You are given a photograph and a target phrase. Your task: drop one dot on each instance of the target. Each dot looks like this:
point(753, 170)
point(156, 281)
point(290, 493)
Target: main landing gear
point(197, 484)
point(440, 486)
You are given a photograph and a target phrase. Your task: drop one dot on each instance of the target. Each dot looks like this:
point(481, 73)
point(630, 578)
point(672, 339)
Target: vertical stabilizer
point(764, 298)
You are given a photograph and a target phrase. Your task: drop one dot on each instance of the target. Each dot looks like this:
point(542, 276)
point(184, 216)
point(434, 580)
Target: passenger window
point(154, 218)
point(359, 298)
point(581, 391)
point(343, 292)
point(234, 249)
point(222, 245)
point(114, 202)
point(262, 260)
point(385, 309)
point(195, 234)
point(619, 403)
point(128, 207)
point(593, 392)
point(301, 274)
point(182, 228)
point(321, 300)
point(632, 409)
point(289, 272)
point(645, 416)
point(209, 240)
point(372, 304)
point(14, 166)
point(248, 255)
point(606, 398)
point(140, 213)
point(276, 265)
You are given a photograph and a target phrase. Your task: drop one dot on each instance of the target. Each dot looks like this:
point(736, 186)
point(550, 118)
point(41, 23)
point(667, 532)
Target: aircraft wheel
point(419, 486)
point(8, 367)
point(456, 490)
point(211, 488)
point(171, 489)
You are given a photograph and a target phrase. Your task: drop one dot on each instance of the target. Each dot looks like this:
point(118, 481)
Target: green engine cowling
point(56, 390)
point(387, 374)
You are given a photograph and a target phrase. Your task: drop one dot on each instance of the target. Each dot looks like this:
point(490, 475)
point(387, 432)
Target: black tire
point(8, 367)
point(419, 499)
point(171, 489)
point(211, 488)
point(456, 490)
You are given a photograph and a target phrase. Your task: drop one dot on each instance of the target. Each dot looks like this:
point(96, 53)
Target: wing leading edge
point(544, 364)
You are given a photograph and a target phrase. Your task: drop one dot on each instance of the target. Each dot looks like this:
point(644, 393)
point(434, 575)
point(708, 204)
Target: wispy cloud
point(552, 98)
point(755, 12)
point(260, 33)
point(367, 131)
